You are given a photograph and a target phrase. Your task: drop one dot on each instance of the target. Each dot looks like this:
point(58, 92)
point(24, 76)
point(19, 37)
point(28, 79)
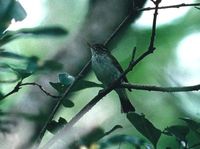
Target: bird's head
point(98, 48)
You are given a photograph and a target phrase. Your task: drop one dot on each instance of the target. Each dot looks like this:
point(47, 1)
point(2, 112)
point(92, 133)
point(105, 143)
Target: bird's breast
point(104, 69)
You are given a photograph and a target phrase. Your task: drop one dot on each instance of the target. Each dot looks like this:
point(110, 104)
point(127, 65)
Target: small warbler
point(108, 69)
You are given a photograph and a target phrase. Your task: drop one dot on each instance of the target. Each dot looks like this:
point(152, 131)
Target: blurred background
point(174, 63)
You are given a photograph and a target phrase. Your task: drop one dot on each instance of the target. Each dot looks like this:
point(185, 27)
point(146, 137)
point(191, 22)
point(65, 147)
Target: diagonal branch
point(15, 89)
point(106, 42)
point(60, 100)
point(107, 90)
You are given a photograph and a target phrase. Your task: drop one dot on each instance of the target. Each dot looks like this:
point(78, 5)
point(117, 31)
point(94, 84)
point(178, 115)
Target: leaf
point(65, 79)
point(87, 139)
point(59, 87)
point(11, 55)
point(67, 103)
point(54, 126)
point(82, 84)
point(32, 65)
point(145, 127)
point(112, 130)
point(179, 131)
point(22, 73)
point(1, 95)
point(18, 12)
point(9, 10)
point(39, 31)
point(4, 6)
point(118, 139)
point(51, 65)
point(49, 31)
point(193, 125)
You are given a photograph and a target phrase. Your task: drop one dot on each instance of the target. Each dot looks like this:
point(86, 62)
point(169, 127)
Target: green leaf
point(118, 139)
point(32, 65)
point(59, 87)
point(145, 127)
point(67, 103)
point(18, 12)
point(4, 6)
point(65, 79)
point(112, 130)
point(193, 125)
point(22, 73)
point(179, 131)
point(87, 139)
point(1, 95)
point(54, 126)
point(83, 84)
point(9, 10)
point(49, 31)
point(11, 55)
point(51, 65)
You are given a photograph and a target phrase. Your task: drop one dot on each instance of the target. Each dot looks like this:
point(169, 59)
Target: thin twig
point(104, 92)
point(133, 54)
point(117, 29)
point(161, 89)
point(170, 6)
point(41, 88)
point(15, 89)
point(20, 84)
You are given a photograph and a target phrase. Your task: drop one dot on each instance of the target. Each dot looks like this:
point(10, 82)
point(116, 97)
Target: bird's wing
point(116, 63)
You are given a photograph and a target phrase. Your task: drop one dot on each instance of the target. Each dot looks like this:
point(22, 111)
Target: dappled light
point(99, 74)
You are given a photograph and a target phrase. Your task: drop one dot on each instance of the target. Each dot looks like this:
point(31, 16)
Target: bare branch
point(77, 78)
point(170, 6)
point(15, 89)
point(117, 29)
point(20, 84)
point(107, 90)
point(161, 89)
point(41, 88)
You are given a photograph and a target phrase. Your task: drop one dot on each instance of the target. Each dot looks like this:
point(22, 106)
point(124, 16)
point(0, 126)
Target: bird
point(107, 69)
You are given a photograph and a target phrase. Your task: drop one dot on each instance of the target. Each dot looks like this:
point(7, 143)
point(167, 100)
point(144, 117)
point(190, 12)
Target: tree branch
point(74, 53)
point(60, 100)
point(15, 89)
point(20, 84)
point(170, 6)
point(106, 42)
point(107, 90)
point(161, 89)
point(41, 88)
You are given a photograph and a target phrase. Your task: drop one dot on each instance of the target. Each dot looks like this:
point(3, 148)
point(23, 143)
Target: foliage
point(11, 9)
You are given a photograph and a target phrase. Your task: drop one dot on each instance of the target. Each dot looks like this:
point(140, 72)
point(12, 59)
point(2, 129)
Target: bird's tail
point(126, 105)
